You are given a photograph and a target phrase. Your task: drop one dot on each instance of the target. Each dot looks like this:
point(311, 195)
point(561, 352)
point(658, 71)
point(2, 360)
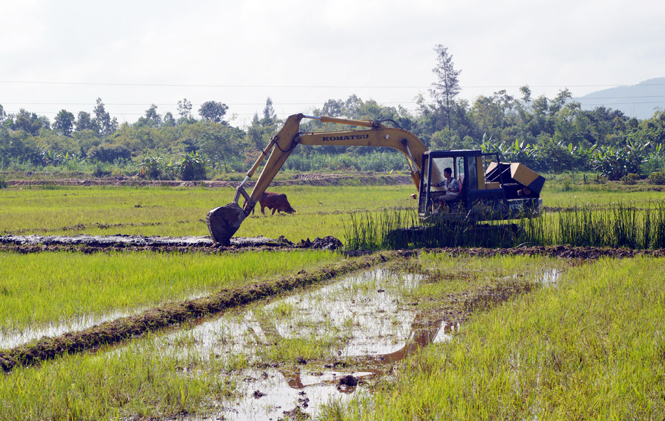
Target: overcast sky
point(66, 53)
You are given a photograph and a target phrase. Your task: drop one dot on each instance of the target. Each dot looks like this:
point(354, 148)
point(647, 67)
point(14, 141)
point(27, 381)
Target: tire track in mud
point(113, 332)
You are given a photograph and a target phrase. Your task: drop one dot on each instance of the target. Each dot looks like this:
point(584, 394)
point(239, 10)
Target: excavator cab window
point(472, 173)
point(443, 163)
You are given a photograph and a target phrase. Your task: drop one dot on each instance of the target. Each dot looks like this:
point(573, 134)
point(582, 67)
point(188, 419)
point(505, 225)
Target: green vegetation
point(321, 211)
point(616, 226)
point(67, 286)
point(113, 385)
point(166, 211)
point(589, 347)
point(174, 373)
point(546, 134)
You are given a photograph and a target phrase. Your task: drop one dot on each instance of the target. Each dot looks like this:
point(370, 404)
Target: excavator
point(488, 188)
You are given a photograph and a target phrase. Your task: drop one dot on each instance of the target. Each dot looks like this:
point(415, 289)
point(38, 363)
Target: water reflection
point(372, 324)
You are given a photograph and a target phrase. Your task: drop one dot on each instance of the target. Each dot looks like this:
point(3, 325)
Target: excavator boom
point(503, 189)
point(224, 221)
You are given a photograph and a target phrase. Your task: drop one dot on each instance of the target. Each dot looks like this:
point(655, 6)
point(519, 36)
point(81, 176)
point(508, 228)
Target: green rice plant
point(401, 229)
point(590, 348)
point(137, 381)
point(619, 225)
point(166, 211)
point(143, 380)
point(39, 289)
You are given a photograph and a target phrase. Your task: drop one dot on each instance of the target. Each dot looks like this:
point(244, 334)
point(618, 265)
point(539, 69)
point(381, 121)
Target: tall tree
point(29, 122)
point(152, 118)
point(64, 123)
point(269, 115)
point(103, 119)
point(185, 108)
point(85, 122)
point(526, 94)
point(213, 111)
point(169, 121)
point(447, 87)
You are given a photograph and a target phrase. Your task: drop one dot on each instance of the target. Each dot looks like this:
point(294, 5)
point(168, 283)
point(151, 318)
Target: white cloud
point(325, 43)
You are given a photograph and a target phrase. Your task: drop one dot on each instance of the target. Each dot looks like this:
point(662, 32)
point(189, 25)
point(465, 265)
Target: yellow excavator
point(488, 188)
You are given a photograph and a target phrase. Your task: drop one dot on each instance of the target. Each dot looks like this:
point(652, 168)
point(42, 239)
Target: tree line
point(546, 134)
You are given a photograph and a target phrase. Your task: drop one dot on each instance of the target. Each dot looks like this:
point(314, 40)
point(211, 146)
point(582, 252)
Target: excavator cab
point(489, 189)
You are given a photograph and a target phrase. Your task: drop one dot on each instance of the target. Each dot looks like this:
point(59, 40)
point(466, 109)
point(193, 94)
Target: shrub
point(3, 183)
point(109, 153)
point(657, 177)
point(100, 171)
point(150, 168)
point(599, 179)
point(192, 167)
point(630, 178)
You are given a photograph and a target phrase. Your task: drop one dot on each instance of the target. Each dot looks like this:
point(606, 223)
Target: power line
point(167, 104)
point(172, 85)
point(240, 104)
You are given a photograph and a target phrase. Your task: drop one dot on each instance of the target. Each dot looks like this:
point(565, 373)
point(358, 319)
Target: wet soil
point(375, 323)
point(171, 314)
point(566, 252)
point(118, 242)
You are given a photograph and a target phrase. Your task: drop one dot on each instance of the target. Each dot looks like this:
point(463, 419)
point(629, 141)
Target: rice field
point(589, 347)
point(73, 290)
point(321, 211)
point(200, 369)
point(424, 335)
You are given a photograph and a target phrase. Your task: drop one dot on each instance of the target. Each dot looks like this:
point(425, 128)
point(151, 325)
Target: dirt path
point(305, 179)
point(94, 243)
point(97, 243)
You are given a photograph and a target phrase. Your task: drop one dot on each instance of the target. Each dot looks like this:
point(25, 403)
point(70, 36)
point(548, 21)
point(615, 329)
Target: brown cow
point(275, 201)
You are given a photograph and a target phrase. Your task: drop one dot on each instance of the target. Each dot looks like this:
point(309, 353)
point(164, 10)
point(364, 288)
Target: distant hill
point(635, 101)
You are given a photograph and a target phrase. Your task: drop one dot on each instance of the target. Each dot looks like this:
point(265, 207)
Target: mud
point(120, 242)
point(171, 314)
point(373, 323)
point(91, 243)
point(566, 252)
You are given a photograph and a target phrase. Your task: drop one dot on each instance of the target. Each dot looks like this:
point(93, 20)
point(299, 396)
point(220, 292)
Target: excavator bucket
point(224, 221)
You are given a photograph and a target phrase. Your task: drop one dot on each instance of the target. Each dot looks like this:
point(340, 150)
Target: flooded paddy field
point(287, 355)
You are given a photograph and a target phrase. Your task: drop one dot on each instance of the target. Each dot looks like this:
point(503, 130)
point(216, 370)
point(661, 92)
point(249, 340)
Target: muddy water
point(10, 338)
point(366, 321)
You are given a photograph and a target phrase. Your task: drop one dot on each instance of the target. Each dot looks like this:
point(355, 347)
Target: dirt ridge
point(94, 244)
point(116, 331)
point(299, 180)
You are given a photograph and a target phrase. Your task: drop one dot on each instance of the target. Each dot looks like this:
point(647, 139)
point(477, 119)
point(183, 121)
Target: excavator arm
point(224, 221)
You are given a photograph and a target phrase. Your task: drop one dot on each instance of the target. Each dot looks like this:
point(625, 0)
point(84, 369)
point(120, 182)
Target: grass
point(619, 225)
point(65, 286)
point(591, 347)
point(110, 385)
point(165, 211)
point(321, 211)
point(169, 375)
